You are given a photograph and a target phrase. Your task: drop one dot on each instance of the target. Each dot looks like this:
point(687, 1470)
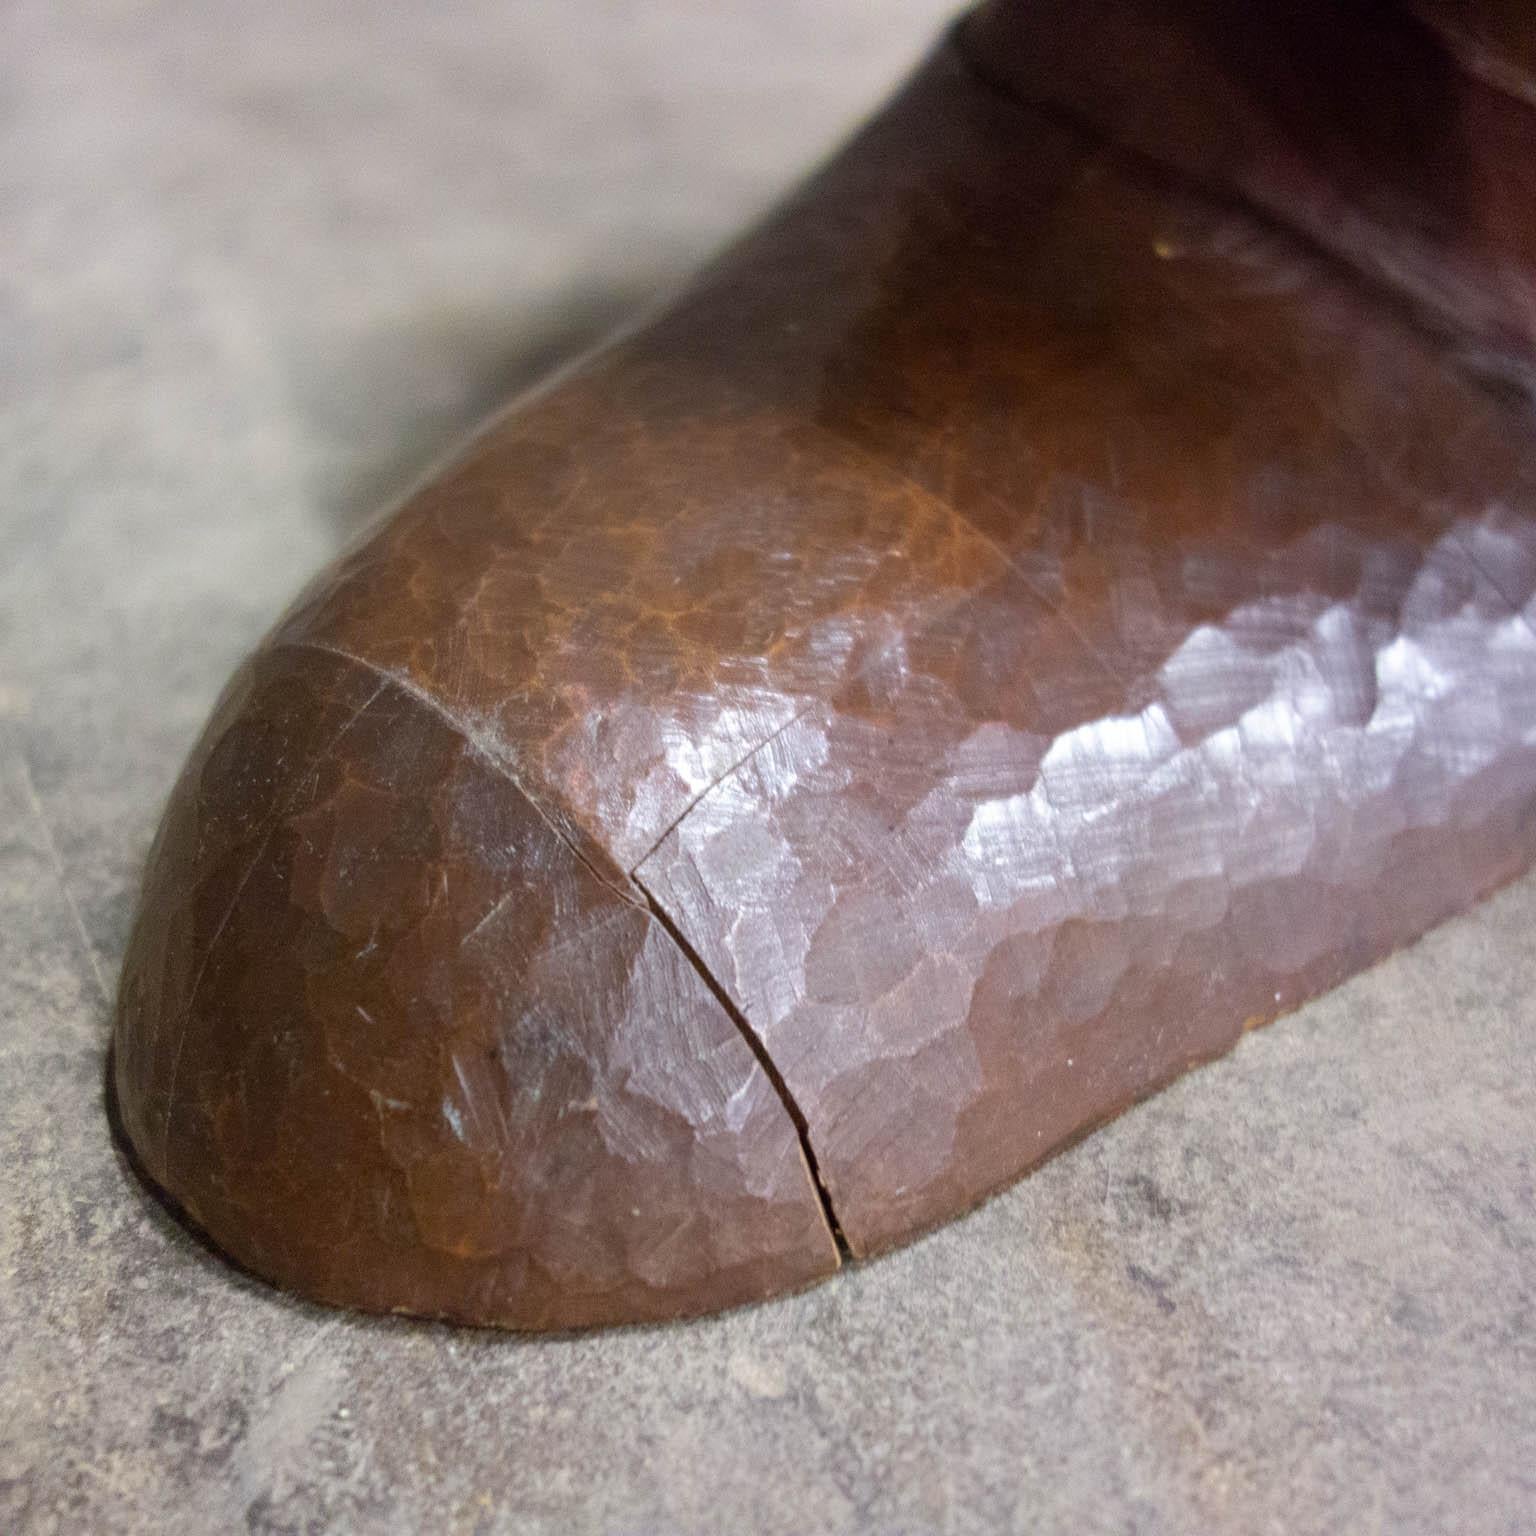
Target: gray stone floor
point(258, 266)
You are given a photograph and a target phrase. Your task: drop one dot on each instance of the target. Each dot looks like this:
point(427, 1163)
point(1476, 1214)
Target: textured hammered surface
point(255, 273)
point(1018, 620)
point(963, 952)
point(635, 583)
point(1253, 704)
point(388, 1039)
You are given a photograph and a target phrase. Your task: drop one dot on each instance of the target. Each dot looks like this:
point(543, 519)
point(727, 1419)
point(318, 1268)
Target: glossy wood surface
point(1055, 596)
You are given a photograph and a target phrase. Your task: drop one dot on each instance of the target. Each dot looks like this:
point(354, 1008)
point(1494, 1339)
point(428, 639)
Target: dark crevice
point(1499, 364)
point(765, 1061)
point(715, 783)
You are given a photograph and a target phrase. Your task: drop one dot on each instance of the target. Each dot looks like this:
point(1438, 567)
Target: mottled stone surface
point(255, 276)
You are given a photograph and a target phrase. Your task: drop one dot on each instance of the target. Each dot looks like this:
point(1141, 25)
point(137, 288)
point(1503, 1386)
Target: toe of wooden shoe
point(394, 1038)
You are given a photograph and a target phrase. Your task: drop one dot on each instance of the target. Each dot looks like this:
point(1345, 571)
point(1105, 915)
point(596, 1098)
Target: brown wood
point(1058, 594)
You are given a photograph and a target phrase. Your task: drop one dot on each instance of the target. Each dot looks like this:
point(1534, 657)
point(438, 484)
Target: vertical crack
point(764, 1060)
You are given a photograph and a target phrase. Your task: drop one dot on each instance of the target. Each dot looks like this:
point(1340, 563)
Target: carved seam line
point(725, 775)
point(489, 752)
point(765, 1061)
point(1053, 606)
point(464, 729)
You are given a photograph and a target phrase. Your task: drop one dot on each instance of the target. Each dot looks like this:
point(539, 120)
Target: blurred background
point(327, 235)
point(259, 268)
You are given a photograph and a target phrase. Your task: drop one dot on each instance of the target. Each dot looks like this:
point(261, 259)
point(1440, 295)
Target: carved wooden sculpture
point(1057, 595)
